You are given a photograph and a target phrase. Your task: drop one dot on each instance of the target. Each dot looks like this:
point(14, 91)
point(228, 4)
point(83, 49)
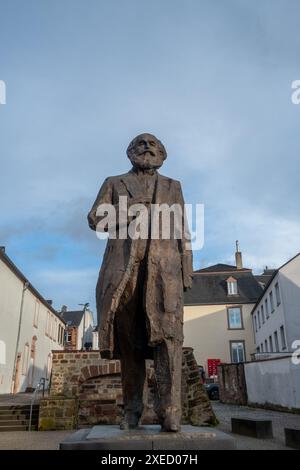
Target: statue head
point(146, 152)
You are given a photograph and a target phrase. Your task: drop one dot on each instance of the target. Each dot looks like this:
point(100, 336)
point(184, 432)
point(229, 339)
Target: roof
point(275, 272)
point(72, 317)
point(21, 276)
point(263, 278)
point(219, 268)
point(210, 287)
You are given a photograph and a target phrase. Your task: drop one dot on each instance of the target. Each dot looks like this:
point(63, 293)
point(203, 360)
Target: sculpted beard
point(145, 156)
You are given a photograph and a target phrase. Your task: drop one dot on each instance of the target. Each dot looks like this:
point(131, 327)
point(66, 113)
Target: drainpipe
point(25, 287)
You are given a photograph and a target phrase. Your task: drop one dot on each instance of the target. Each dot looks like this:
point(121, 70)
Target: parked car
point(212, 391)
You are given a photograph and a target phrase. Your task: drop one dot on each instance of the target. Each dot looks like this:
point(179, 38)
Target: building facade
point(217, 315)
point(276, 315)
point(80, 328)
point(29, 330)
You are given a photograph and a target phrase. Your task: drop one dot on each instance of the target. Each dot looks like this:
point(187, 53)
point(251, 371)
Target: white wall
point(274, 322)
point(43, 327)
point(85, 330)
point(289, 279)
point(275, 382)
point(287, 313)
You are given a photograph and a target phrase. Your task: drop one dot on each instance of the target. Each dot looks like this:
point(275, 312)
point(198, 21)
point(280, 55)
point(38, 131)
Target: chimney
point(2, 248)
point(50, 302)
point(238, 256)
point(64, 308)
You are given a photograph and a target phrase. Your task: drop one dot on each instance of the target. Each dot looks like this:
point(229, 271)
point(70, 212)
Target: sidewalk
point(279, 420)
point(49, 440)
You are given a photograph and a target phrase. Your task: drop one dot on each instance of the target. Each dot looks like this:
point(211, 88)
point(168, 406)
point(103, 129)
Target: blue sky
point(212, 79)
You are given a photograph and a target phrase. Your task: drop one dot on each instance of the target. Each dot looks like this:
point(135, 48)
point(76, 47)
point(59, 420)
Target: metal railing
point(40, 386)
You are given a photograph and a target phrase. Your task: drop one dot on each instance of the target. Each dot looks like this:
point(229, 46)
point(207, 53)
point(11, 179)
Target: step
point(18, 407)
point(9, 416)
point(17, 428)
point(17, 411)
point(17, 422)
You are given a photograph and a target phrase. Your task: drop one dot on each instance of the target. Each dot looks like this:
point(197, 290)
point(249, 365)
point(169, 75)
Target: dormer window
point(232, 288)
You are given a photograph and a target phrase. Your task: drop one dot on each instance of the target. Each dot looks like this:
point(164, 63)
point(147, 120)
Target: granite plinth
point(292, 438)
point(258, 428)
point(108, 437)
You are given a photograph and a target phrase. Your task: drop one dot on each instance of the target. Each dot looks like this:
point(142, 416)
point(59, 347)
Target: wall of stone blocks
point(95, 385)
point(58, 413)
point(232, 384)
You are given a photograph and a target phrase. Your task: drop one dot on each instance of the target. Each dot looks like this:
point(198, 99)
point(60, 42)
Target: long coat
point(169, 266)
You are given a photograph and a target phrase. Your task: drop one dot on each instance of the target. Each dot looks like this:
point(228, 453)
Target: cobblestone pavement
point(280, 421)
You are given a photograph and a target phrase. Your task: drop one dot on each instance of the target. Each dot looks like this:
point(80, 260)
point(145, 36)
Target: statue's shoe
point(129, 422)
point(170, 425)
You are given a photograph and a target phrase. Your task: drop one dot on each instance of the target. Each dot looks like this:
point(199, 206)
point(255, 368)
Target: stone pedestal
point(148, 438)
point(259, 428)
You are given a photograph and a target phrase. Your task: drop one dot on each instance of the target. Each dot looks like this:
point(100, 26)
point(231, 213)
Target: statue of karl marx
point(140, 288)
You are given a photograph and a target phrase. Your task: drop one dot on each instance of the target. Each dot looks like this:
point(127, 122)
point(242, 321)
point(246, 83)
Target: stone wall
point(58, 413)
point(232, 384)
point(196, 407)
point(94, 385)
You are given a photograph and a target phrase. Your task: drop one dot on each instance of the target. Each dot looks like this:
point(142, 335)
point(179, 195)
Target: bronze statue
point(140, 288)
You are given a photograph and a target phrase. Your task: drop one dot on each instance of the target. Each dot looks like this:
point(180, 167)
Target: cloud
point(211, 79)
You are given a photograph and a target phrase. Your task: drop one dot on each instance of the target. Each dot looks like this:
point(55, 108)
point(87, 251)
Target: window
point(277, 293)
point(255, 323)
point(68, 336)
point(235, 321)
point(282, 337)
point(258, 317)
point(237, 351)
point(49, 365)
point(271, 343)
point(267, 308)
point(262, 314)
point(276, 341)
point(262, 348)
point(232, 286)
point(271, 301)
point(47, 323)
point(258, 350)
point(55, 330)
point(266, 346)
point(62, 335)
point(36, 314)
point(51, 326)
point(25, 359)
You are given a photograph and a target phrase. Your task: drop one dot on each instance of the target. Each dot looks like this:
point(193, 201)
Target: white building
point(29, 330)
point(79, 329)
point(276, 315)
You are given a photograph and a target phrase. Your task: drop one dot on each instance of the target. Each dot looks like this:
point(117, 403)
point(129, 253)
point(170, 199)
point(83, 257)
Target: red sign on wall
point(212, 365)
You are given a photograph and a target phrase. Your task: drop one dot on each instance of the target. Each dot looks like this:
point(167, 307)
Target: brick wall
point(95, 386)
